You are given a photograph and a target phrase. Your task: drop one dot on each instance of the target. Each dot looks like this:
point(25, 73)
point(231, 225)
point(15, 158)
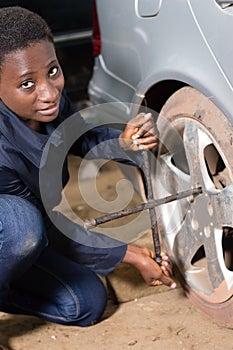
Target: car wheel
point(196, 149)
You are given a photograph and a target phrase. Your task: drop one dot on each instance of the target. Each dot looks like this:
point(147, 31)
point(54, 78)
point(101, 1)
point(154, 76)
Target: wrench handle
point(152, 212)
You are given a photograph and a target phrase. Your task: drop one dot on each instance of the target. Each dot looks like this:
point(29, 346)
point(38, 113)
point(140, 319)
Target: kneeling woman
point(43, 272)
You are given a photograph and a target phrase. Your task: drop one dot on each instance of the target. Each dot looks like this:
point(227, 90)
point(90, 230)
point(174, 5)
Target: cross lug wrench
point(150, 205)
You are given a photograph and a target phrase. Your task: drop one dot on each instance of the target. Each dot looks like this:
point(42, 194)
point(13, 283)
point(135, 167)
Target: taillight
point(96, 38)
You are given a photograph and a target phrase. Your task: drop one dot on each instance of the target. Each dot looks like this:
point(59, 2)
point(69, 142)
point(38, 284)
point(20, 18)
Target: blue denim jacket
point(20, 157)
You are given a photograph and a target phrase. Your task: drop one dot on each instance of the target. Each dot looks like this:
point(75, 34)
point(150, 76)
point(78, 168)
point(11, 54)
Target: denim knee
point(86, 306)
point(22, 235)
point(78, 295)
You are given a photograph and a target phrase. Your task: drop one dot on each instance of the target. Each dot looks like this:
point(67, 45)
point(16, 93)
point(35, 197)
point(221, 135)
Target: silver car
point(175, 57)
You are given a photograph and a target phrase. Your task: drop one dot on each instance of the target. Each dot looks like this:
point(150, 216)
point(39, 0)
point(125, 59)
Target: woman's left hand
point(153, 274)
point(140, 133)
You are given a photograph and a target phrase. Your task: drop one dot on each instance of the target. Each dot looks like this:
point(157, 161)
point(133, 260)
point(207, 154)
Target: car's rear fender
point(160, 84)
point(158, 87)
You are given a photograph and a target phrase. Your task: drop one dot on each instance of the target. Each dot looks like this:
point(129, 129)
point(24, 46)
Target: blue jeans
point(35, 279)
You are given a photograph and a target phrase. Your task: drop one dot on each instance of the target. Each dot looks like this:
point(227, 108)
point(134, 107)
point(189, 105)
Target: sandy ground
point(160, 321)
point(146, 318)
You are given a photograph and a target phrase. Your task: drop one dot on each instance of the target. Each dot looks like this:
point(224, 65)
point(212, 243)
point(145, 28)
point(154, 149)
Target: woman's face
point(31, 83)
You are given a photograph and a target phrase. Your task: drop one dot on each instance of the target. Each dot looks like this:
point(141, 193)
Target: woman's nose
point(47, 92)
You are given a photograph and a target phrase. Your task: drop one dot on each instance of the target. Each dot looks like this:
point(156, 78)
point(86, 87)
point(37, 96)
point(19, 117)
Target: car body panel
point(181, 42)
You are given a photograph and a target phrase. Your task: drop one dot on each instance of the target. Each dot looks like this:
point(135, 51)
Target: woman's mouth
point(51, 110)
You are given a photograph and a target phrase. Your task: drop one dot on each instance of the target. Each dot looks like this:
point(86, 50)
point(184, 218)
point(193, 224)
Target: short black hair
point(19, 28)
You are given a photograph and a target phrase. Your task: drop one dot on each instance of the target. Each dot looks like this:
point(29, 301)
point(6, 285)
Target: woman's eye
point(27, 84)
point(53, 71)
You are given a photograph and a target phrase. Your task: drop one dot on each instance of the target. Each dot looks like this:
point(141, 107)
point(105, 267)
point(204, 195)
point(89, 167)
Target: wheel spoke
point(222, 204)
point(171, 178)
point(195, 142)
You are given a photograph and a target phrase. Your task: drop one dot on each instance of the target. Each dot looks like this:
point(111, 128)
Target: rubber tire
point(190, 102)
